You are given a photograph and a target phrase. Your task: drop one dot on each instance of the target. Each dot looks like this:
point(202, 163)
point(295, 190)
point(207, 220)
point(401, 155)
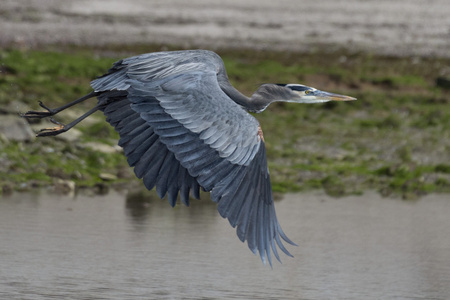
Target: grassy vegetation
point(395, 138)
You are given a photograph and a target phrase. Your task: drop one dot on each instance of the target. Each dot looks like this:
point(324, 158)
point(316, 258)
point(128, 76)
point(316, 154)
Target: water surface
point(111, 247)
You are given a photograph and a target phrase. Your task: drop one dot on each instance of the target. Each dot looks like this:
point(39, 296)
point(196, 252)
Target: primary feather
point(180, 130)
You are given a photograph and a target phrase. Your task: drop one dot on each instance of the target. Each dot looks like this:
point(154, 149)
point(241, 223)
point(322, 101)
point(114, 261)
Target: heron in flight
point(183, 127)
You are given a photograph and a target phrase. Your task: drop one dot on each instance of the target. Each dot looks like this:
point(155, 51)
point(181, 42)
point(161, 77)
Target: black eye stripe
point(299, 88)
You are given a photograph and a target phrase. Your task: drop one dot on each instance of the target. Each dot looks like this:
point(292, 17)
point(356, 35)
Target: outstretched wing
point(209, 135)
point(151, 159)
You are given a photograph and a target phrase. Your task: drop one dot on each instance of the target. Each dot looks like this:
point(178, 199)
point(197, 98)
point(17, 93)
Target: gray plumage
point(179, 97)
point(183, 127)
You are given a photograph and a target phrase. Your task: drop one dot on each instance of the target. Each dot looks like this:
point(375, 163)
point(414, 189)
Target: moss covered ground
point(395, 138)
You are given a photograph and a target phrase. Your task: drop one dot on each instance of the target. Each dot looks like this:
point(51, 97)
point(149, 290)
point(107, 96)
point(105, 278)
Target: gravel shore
point(404, 27)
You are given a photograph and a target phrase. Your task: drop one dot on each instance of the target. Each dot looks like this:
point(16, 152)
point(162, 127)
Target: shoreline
point(402, 28)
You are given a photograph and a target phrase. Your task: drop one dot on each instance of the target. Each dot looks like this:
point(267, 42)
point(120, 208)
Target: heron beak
point(325, 96)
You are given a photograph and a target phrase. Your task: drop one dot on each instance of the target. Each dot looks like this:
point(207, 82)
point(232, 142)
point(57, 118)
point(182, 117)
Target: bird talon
point(51, 131)
point(57, 123)
point(36, 114)
point(41, 104)
point(39, 114)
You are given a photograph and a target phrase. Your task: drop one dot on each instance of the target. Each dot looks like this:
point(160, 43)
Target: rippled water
point(111, 247)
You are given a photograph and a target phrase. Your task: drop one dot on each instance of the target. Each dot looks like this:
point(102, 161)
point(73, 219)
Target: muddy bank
point(395, 139)
point(386, 27)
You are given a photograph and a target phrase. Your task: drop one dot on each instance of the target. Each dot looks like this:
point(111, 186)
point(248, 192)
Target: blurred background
point(402, 27)
point(374, 174)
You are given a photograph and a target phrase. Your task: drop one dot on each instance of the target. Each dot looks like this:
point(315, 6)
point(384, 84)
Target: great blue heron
point(183, 126)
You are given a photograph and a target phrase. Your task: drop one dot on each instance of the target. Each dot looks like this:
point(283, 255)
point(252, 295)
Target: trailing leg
point(33, 114)
point(63, 128)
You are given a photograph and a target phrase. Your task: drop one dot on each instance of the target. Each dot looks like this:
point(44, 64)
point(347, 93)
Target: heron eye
point(307, 92)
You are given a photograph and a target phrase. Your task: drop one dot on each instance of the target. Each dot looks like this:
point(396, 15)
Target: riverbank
point(395, 138)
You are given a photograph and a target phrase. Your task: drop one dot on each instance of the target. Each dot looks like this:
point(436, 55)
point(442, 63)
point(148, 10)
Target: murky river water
point(108, 247)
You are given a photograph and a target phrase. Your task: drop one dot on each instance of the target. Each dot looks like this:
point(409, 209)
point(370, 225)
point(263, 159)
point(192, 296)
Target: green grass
point(395, 138)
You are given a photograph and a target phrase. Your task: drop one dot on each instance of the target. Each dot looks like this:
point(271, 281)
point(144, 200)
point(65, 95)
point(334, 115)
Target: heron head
point(297, 93)
point(306, 94)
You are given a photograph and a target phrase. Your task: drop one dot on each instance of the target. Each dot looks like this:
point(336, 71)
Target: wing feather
point(163, 177)
point(130, 131)
point(146, 159)
point(153, 169)
point(181, 132)
point(144, 150)
point(134, 150)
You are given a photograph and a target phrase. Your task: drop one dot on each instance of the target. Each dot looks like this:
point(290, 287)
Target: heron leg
point(63, 128)
point(34, 114)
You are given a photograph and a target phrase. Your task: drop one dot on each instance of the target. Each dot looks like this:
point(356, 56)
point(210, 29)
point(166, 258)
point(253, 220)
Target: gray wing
point(206, 133)
point(151, 159)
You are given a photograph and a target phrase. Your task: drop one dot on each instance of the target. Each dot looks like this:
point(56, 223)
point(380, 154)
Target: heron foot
point(34, 114)
point(52, 131)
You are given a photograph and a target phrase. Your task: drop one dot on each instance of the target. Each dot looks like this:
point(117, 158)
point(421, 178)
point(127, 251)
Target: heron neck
point(249, 104)
point(235, 95)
